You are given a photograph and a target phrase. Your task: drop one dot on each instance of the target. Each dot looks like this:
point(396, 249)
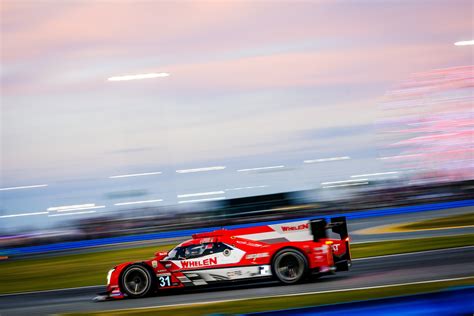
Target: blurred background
point(123, 118)
point(229, 110)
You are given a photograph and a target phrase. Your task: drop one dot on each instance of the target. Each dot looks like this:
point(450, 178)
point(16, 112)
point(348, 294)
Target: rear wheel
point(136, 281)
point(289, 266)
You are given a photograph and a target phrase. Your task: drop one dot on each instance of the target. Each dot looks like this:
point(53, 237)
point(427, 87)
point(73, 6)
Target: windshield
point(188, 252)
point(195, 251)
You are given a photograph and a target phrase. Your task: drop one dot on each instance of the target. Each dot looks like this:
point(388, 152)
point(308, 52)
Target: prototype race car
point(287, 252)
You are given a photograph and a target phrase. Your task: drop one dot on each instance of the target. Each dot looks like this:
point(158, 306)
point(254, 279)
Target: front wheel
point(289, 266)
point(136, 281)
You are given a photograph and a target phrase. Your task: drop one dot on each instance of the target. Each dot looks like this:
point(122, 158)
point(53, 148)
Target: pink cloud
point(206, 41)
point(138, 29)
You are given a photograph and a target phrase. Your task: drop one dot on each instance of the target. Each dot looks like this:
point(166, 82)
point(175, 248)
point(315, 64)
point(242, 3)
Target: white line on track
point(412, 253)
point(360, 259)
point(55, 290)
point(402, 239)
point(293, 294)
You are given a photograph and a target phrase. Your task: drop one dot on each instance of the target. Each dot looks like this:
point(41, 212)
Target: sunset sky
point(251, 84)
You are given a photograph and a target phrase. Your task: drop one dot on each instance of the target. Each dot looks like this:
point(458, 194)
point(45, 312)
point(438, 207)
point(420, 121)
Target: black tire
point(289, 266)
point(137, 281)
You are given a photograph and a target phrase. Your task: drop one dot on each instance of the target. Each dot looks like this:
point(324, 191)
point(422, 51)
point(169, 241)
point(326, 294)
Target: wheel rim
point(289, 267)
point(136, 281)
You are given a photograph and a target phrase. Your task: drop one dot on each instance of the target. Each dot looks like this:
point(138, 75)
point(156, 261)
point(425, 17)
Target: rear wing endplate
point(319, 227)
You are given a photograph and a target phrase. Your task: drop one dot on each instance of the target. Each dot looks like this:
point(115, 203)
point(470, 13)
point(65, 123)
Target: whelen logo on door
point(294, 228)
point(200, 263)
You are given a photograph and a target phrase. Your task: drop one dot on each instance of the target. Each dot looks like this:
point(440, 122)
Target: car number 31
point(164, 281)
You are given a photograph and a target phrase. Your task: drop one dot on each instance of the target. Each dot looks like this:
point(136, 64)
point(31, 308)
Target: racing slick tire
point(289, 266)
point(137, 281)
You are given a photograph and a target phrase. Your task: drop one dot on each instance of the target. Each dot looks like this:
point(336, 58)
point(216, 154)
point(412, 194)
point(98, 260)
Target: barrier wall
point(188, 232)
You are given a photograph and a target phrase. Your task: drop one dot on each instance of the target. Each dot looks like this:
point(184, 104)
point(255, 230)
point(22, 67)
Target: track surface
point(432, 265)
point(355, 226)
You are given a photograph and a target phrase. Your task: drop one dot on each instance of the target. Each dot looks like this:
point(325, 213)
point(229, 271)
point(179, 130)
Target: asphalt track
point(385, 270)
point(356, 226)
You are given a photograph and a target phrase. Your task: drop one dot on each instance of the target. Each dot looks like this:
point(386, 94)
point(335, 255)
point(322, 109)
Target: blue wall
point(184, 233)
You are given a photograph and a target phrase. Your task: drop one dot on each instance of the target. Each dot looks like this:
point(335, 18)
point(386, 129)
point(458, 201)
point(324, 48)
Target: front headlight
point(109, 275)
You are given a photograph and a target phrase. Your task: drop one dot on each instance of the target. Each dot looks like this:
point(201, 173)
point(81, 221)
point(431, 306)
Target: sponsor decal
point(211, 260)
point(265, 270)
point(199, 263)
point(295, 228)
point(154, 263)
point(249, 243)
point(235, 273)
point(226, 252)
point(335, 247)
point(323, 248)
point(257, 255)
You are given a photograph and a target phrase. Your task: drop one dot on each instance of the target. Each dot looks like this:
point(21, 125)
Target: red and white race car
point(288, 252)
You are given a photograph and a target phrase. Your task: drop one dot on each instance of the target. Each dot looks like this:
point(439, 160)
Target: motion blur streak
point(138, 202)
point(344, 185)
point(135, 175)
point(23, 214)
point(428, 125)
point(70, 207)
point(75, 213)
point(374, 174)
point(247, 188)
point(464, 43)
point(201, 169)
point(343, 181)
point(200, 194)
point(24, 187)
point(139, 76)
point(202, 200)
point(327, 159)
point(261, 168)
point(82, 208)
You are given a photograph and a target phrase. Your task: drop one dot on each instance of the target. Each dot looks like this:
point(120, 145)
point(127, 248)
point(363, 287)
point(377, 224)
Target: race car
point(288, 252)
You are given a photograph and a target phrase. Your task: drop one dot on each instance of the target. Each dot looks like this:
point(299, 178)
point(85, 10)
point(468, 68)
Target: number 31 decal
point(165, 281)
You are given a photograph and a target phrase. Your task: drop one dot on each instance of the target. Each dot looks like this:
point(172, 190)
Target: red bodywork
point(247, 254)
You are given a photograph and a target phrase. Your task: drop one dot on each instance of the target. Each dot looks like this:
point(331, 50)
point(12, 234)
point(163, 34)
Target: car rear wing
point(319, 228)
